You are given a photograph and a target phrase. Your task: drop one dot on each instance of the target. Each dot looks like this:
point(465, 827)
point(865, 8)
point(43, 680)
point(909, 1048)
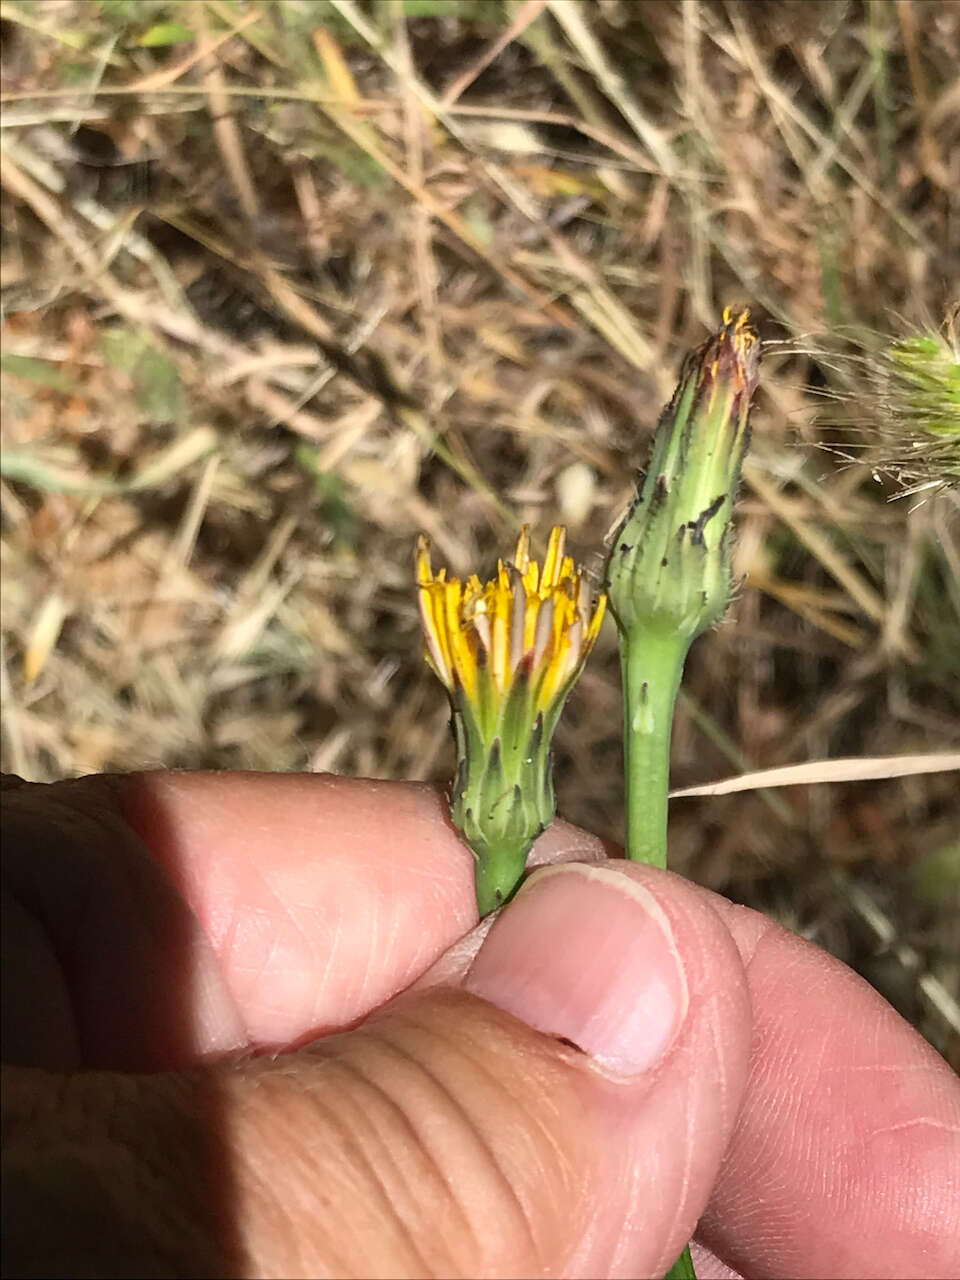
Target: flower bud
point(670, 567)
point(509, 651)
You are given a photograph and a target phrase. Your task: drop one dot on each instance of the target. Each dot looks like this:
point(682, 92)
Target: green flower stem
point(682, 1269)
point(652, 659)
point(497, 877)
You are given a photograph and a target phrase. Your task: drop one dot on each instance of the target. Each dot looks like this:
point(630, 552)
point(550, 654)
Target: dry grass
point(319, 276)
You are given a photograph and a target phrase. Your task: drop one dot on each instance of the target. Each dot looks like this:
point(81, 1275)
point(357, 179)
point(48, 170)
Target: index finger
point(154, 920)
point(322, 896)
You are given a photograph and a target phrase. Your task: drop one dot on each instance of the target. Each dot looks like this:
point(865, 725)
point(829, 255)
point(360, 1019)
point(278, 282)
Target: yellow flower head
point(539, 623)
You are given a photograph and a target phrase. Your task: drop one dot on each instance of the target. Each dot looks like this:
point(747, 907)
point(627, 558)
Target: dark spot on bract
point(697, 526)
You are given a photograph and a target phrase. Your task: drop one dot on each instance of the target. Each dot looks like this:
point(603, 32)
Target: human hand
point(160, 928)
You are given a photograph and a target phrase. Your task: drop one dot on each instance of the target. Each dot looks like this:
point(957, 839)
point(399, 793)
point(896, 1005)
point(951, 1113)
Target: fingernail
point(587, 954)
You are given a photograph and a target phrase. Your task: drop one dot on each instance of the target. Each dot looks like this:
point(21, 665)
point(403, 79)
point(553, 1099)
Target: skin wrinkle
point(894, 1068)
point(233, 967)
point(365, 1176)
point(564, 1165)
point(456, 960)
point(917, 1122)
point(562, 842)
point(267, 964)
point(268, 972)
point(691, 1114)
point(817, 1071)
point(558, 1158)
point(475, 1131)
point(228, 946)
point(586, 1247)
point(728, 1116)
point(419, 959)
point(748, 928)
point(289, 1202)
point(386, 948)
point(623, 1243)
point(290, 911)
point(284, 1222)
point(322, 993)
point(676, 1190)
point(372, 953)
point(547, 1134)
point(876, 1036)
point(126, 792)
point(405, 1123)
point(544, 1130)
point(532, 1090)
point(374, 1173)
point(466, 1125)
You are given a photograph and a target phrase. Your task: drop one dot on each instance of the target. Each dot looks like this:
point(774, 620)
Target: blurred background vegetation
point(286, 283)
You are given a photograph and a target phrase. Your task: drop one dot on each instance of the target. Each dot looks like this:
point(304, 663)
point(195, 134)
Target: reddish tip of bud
point(731, 356)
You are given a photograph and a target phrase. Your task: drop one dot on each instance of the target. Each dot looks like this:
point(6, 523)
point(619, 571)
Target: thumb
point(561, 1111)
point(561, 1108)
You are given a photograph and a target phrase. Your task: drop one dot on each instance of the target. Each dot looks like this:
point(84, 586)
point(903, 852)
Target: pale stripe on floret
point(545, 620)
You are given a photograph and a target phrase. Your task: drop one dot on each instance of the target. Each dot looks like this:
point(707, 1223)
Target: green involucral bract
point(503, 795)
